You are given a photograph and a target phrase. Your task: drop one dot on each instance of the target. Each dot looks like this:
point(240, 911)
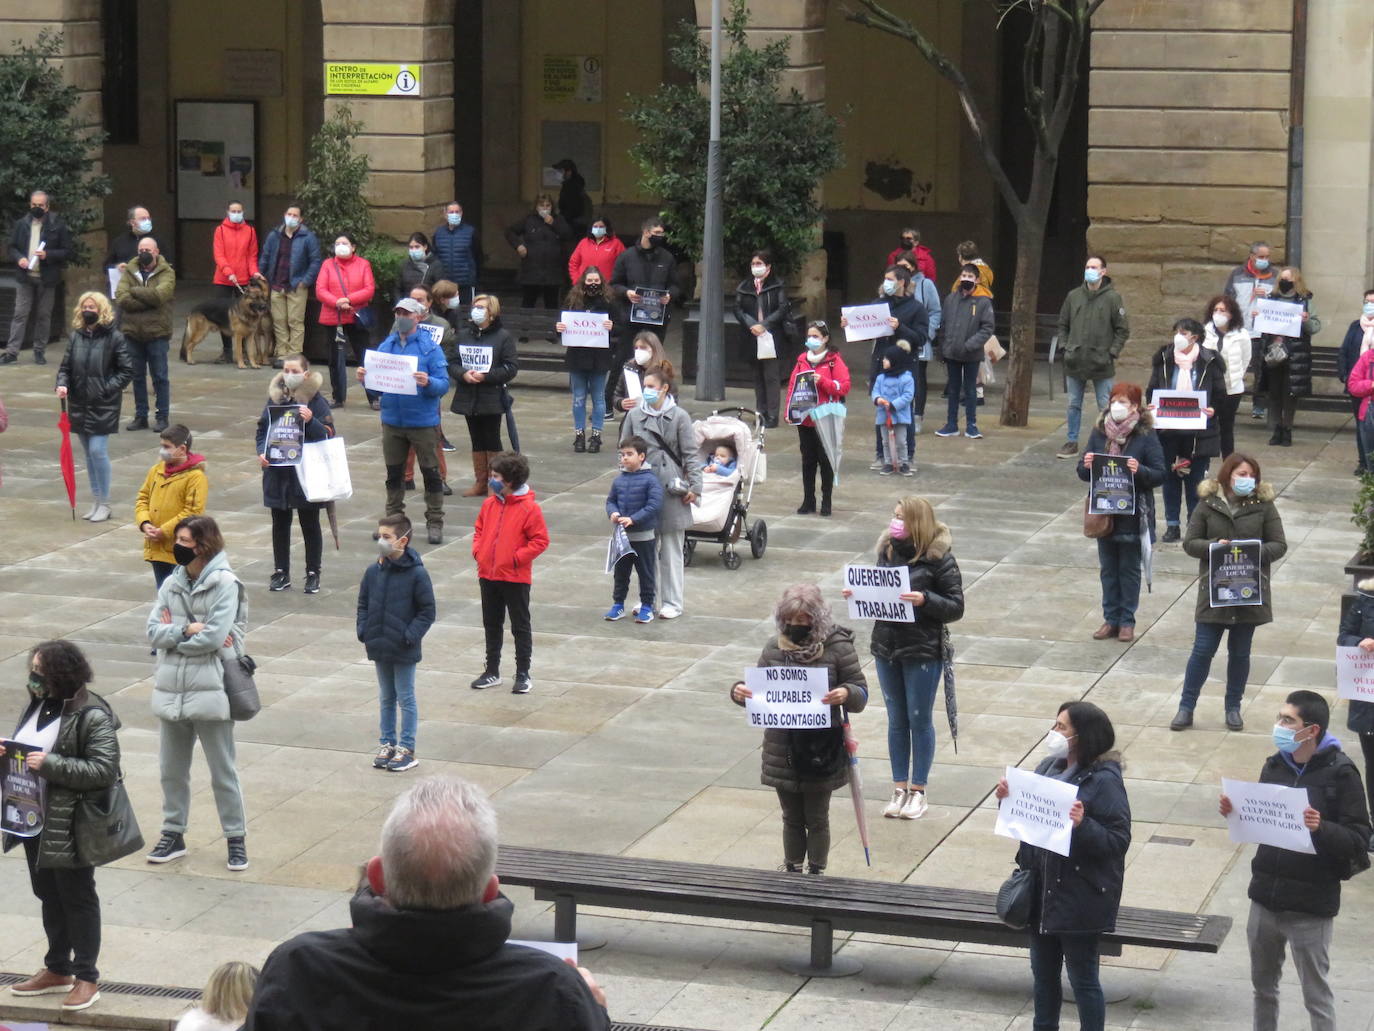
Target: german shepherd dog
point(247, 318)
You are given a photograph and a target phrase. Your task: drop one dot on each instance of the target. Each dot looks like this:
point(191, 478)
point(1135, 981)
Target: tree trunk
point(1030, 249)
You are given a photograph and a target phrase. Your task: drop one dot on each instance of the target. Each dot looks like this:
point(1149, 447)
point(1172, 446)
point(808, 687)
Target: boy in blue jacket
point(634, 502)
point(395, 611)
point(893, 391)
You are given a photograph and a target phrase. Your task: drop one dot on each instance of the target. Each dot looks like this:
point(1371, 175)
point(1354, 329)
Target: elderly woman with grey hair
point(805, 766)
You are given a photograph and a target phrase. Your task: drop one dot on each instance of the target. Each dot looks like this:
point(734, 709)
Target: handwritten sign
point(585, 329)
point(1283, 318)
point(867, 321)
point(1036, 810)
point(877, 592)
point(1233, 574)
point(390, 373)
point(475, 357)
point(1112, 489)
point(1354, 674)
point(1268, 814)
point(1180, 409)
point(22, 789)
point(787, 697)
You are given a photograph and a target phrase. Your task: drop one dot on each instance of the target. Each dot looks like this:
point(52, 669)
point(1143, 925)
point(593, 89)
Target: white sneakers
point(669, 612)
point(906, 804)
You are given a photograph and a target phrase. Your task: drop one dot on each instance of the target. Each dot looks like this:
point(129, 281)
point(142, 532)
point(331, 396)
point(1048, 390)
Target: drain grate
point(145, 991)
point(1164, 839)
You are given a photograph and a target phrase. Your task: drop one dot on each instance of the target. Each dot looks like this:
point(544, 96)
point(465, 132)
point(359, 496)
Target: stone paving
point(628, 744)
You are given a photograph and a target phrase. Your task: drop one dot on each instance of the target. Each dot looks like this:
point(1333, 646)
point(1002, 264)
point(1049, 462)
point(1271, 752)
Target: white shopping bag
point(323, 471)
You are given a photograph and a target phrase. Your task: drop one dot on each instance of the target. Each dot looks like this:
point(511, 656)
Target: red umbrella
point(856, 787)
point(65, 459)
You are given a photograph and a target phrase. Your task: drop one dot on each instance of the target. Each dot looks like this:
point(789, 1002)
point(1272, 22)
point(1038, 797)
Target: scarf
point(816, 358)
point(1118, 432)
point(1367, 324)
point(1266, 274)
point(668, 404)
point(805, 654)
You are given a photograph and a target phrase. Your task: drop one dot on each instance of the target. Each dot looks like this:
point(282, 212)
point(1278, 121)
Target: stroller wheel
point(731, 559)
point(689, 548)
point(758, 539)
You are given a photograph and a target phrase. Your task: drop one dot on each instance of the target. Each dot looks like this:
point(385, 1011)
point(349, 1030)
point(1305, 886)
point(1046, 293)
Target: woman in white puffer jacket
point(1227, 335)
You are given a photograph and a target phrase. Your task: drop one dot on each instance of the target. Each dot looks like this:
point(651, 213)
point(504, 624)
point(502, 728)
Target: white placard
point(113, 273)
point(1279, 317)
point(867, 321)
point(585, 329)
point(1268, 814)
point(1189, 405)
point(1354, 674)
point(475, 357)
point(391, 373)
point(634, 387)
point(435, 333)
point(788, 697)
point(877, 593)
point(1036, 810)
point(765, 348)
point(563, 950)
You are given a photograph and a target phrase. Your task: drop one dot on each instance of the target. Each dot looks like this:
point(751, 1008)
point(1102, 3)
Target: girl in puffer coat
point(805, 766)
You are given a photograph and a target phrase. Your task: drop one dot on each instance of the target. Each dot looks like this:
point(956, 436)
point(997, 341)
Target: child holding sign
point(805, 766)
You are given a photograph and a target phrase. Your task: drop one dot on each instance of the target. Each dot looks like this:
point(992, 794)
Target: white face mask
point(1181, 342)
point(1221, 320)
point(1056, 744)
point(642, 356)
point(1119, 410)
point(759, 271)
point(342, 250)
point(545, 212)
point(293, 379)
point(598, 231)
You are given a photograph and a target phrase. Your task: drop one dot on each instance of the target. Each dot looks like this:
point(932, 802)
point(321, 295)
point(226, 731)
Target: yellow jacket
point(167, 498)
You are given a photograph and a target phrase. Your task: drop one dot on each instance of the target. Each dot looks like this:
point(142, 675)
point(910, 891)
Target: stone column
point(408, 141)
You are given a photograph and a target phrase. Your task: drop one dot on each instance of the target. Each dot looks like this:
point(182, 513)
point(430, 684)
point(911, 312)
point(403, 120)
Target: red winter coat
point(236, 252)
point(510, 534)
point(925, 261)
point(832, 380)
point(601, 253)
point(337, 275)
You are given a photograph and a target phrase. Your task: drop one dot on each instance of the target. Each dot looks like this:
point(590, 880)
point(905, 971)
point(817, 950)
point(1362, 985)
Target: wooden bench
point(1328, 392)
point(1046, 345)
point(822, 903)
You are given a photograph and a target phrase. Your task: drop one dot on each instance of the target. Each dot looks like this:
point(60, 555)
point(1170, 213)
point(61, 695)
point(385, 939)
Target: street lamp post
point(710, 338)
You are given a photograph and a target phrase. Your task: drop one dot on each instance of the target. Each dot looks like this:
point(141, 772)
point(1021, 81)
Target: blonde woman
point(1291, 378)
point(94, 372)
point(909, 657)
point(806, 766)
point(479, 385)
point(226, 999)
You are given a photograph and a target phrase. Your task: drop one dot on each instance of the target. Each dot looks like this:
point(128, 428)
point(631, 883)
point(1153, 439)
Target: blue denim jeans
point(1102, 388)
point(1051, 953)
point(396, 684)
point(1119, 566)
point(963, 386)
point(909, 693)
point(587, 388)
point(97, 451)
point(1206, 641)
point(1174, 486)
point(150, 358)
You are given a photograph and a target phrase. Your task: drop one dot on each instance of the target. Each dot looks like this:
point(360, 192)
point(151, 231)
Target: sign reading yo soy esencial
point(787, 697)
point(877, 593)
point(1112, 487)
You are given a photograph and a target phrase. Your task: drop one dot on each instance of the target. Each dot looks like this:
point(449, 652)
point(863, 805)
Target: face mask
point(145, 258)
point(37, 212)
point(166, 454)
point(291, 221)
point(1243, 485)
point(1181, 342)
point(815, 344)
point(908, 245)
point(1261, 264)
point(1284, 739)
point(1368, 309)
point(593, 288)
point(651, 396)
point(497, 486)
point(183, 554)
point(38, 684)
point(1119, 410)
point(1056, 744)
point(90, 317)
point(453, 220)
point(145, 225)
point(236, 217)
point(1092, 275)
point(897, 530)
point(642, 357)
point(386, 548)
point(453, 302)
point(342, 250)
point(417, 254)
point(545, 212)
point(759, 271)
point(1220, 320)
point(657, 241)
point(795, 633)
point(403, 326)
point(966, 285)
point(478, 315)
point(293, 379)
point(889, 287)
point(1285, 286)
point(598, 231)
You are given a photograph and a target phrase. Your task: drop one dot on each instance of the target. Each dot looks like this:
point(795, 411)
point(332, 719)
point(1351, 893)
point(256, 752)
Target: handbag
point(239, 686)
point(365, 316)
point(1095, 525)
point(104, 827)
point(1016, 899)
point(323, 471)
point(1276, 353)
point(816, 754)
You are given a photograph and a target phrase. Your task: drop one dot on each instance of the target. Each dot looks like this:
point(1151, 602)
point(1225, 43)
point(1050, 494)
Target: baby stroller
point(720, 515)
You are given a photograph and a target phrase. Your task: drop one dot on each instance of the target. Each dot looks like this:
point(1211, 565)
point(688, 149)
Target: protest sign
point(285, 435)
point(634, 388)
point(618, 547)
point(585, 329)
point(652, 307)
point(877, 592)
point(1112, 488)
point(1180, 409)
point(1036, 810)
point(1282, 318)
point(22, 790)
point(562, 950)
point(788, 697)
point(1355, 674)
point(803, 399)
point(391, 373)
point(435, 334)
point(1268, 814)
point(1233, 574)
point(867, 321)
point(475, 357)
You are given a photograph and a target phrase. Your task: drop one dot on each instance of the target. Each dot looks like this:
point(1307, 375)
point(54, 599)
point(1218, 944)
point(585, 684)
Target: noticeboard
point(216, 158)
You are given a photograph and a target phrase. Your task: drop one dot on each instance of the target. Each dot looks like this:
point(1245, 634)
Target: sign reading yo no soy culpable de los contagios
point(371, 79)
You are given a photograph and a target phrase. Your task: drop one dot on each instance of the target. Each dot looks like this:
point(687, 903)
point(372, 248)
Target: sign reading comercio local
point(370, 79)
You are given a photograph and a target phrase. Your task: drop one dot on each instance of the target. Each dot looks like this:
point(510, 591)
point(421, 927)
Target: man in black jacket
point(428, 943)
point(647, 264)
point(1294, 896)
point(40, 244)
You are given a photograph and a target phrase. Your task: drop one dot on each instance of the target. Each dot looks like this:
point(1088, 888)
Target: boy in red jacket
point(510, 534)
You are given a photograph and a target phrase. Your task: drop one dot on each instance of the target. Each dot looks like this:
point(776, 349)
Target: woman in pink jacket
point(344, 289)
point(1360, 385)
point(236, 262)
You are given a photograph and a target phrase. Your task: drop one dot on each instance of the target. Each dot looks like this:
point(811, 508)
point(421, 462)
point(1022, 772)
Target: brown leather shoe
point(1126, 634)
point(1103, 632)
point(82, 995)
point(45, 982)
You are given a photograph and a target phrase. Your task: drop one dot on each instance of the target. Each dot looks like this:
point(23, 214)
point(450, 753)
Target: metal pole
point(710, 342)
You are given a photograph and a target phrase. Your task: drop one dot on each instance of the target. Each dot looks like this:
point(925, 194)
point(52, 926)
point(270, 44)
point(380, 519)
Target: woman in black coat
point(1077, 896)
point(91, 379)
point(588, 366)
point(1292, 378)
point(422, 266)
point(1357, 631)
point(484, 361)
point(1126, 430)
point(909, 322)
point(295, 386)
point(538, 239)
point(1186, 365)
point(761, 307)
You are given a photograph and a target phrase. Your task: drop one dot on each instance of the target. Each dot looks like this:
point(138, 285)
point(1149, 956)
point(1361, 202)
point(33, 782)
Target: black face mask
point(593, 288)
point(1285, 286)
point(796, 633)
point(38, 684)
point(657, 241)
point(184, 555)
point(37, 212)
point(90, 318)
point(145, 258)
point(966, 286)
point(908, 245)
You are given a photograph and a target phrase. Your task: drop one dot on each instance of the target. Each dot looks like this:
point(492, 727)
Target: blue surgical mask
point(1243, 485)
point(236, 217)
point(815, 344)
point(1284, 739)
point(291, 221)
point(889, 286)
point(1092, 275)
point(417, 254)
point(454, 302)
point(651, 396)
point(145, 225)
point(1261, 264)
point(1368, 309)
point(496, 485)
point(598, 231)
point(454, 220)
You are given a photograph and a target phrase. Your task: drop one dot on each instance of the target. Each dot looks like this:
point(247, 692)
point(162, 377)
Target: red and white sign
point(585, 329)
point(1355, 674)
point(867, 321)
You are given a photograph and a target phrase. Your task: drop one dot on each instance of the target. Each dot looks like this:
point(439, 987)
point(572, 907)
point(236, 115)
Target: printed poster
point(1233, 574)
point(1180, 409)
point(652, 307)
point(23, 792)
point(285, 435)
point(1268, 814)
point(877, 593)
point(1112, 487)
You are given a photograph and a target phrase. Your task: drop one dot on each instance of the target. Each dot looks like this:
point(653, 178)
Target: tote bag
point(323, 471)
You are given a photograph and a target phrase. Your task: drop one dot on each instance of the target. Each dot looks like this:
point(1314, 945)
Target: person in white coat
point(1227, 336)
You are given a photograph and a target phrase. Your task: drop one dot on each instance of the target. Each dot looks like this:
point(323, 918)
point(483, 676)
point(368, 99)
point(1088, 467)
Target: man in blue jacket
point(456, 244)
point(290, 260)
point(413, 419)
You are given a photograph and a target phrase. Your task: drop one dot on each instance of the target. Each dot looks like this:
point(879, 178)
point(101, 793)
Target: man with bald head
point(144, 301)
point(40, 244)
point(124, 246)
point(428, 947)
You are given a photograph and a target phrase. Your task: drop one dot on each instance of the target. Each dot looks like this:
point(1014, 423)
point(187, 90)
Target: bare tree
point(1050, 70)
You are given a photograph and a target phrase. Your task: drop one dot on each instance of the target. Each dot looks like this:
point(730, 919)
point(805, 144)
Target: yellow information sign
point(371, 79)
point(572, 77)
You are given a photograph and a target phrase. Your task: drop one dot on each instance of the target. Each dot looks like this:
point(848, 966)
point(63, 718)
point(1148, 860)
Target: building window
point(119, 90)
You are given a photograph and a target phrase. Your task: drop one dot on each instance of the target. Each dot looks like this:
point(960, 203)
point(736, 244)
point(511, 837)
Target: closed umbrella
point(829, 421)
point(65, 459)
point(856, 787)
point(333, 522)
point(951, 703)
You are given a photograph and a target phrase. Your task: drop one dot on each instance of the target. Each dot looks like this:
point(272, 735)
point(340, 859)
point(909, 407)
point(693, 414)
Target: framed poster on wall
point(215, 158)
